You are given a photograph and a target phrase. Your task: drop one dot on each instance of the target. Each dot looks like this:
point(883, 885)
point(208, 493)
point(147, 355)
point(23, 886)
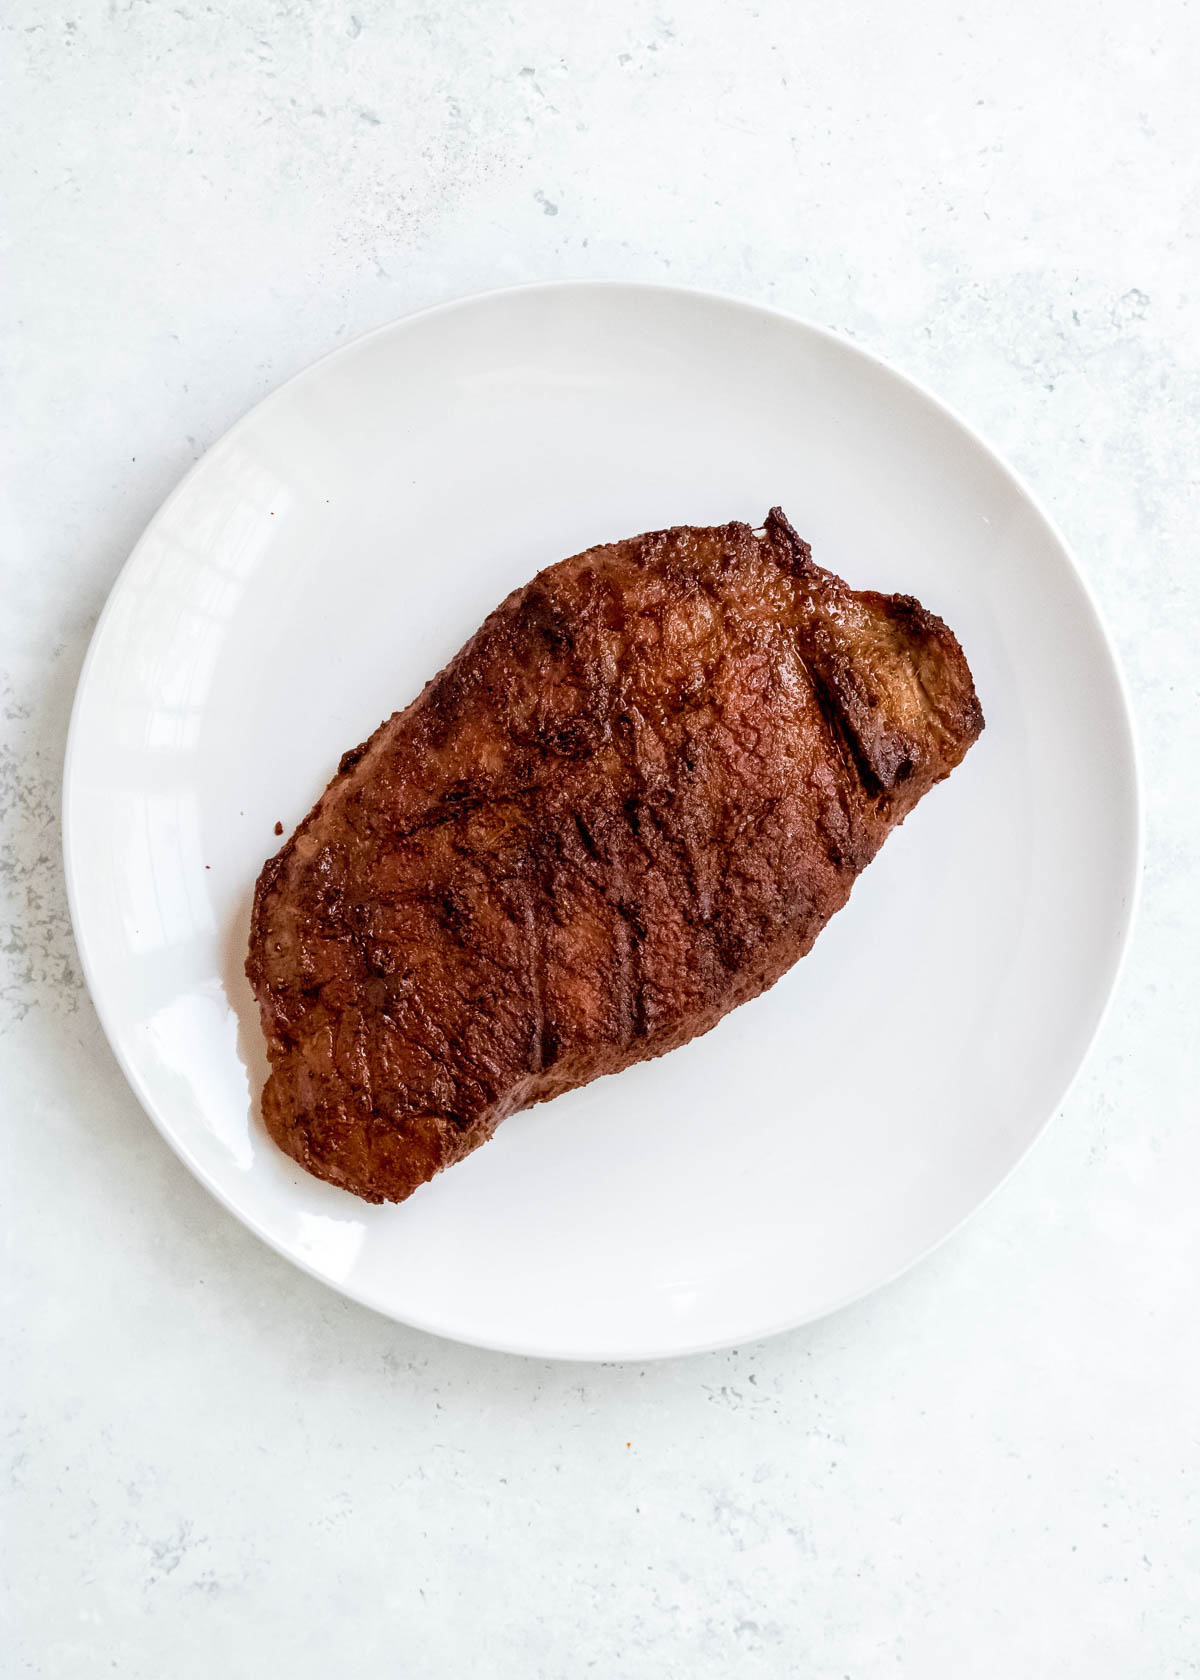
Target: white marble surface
point(216, 1466)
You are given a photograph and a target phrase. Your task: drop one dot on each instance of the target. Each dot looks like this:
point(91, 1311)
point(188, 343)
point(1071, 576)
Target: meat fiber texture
point(628, 805)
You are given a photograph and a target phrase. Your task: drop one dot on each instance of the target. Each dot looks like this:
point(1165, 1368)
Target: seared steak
point(628, 805)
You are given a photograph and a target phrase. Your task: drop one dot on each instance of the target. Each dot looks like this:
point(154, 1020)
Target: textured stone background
point(218, 1467)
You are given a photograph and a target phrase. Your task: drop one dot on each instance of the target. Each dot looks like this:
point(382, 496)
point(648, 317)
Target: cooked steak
point(628, 805)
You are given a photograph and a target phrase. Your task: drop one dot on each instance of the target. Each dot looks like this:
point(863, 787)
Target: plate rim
point(842, 342)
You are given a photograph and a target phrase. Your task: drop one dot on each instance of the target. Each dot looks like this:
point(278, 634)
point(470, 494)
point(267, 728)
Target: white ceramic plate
point(331, 553)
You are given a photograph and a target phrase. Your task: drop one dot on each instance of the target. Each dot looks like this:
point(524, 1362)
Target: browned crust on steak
point(629, 804)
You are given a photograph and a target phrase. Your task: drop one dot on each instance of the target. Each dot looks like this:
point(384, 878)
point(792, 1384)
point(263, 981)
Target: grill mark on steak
point(842, 736)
